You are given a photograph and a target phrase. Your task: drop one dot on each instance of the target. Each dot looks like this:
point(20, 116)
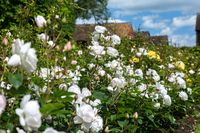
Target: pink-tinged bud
point(57, 47)
point(2, 103)
point(5, 41)
point(135, 115)
point(127, 115)
point(67, 46)
point(97, 78)
point(73, 62)
point(106, 129)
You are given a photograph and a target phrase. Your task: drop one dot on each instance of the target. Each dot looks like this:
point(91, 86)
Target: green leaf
point(100, 95)
point(122, 124)
point(15, 79)
point(116, 130)
point(113, 117)
point(51, 108)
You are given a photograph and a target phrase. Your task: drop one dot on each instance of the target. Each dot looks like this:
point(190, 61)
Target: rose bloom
point(134, 60)
point(115, 40)
point(67, 47)
point(183, 96)
point(100, 29)
point(153, 55)
point(180, 65)
point(167, 100)
point(29, 113)
point(112, 52)
point(2, 103)
point(23, 55)
point(40, 21)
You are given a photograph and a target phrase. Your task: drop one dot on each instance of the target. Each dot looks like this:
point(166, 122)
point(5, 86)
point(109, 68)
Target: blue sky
point(175, 18)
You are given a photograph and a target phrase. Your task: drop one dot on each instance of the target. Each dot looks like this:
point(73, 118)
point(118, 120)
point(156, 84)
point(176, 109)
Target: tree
point(92, 8)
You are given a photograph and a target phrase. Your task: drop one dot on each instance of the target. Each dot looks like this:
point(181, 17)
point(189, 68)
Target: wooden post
point(197, 28)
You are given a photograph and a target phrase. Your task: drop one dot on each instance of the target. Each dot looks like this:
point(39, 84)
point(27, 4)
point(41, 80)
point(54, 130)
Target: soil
point(187, 125)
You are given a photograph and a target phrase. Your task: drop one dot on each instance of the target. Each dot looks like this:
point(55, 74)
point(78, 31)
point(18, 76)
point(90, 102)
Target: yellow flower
point(180, 65)
point(152, 55)
point(189, 81)
point(134, 59)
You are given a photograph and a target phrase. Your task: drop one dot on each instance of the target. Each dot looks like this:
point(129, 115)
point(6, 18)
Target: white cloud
point(149, 22)
point(92, 21)
point(166, 31)
point(184, 21)
point(182, 40)
point(136, 6)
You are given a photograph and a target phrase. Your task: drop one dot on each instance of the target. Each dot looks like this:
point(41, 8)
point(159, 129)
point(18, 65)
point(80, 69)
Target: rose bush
point(110, 85)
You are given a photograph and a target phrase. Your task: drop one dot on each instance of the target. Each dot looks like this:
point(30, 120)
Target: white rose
point(95, 102)
point(29, 114)
point(91, 66)
point(85, 114)
point(143, 51)
point(79, 131)
point(142, 87)
point(171, 66)
point(14, 60)
point(189, 90)
point(2, 103)
point(181, 82)
point(115, 40)
point(97, 50)
point(51, 130)
point(27, 55)
point(95, 43)
point(100, 29)
point(112, 52)
point(110, 89)
point(167, 100)
point(118, 82)
point(43, 37)
point(192, 72)
point(40, 21)
point(157, 105)
point(51, 43)
point(114, 64)
point(183, 96)
point(138, 54)
point(139, 73)
point(75, 89)
point(156, 78)
point(97, 124)
point(101, 72)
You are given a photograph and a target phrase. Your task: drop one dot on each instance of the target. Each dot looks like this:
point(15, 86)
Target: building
point(83, 31)
point(124, 30)
point(197, 29)
point(160, 40)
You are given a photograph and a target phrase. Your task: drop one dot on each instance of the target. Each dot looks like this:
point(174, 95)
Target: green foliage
point(18, 17)
point(124, 110)
point(15, 79)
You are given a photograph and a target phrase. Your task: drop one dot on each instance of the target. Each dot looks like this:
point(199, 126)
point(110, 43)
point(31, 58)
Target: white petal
point(86, 127)
point(20, 112)
point(16, 46)
point(25, 100)
point(14, 60)
point(74, 89)
point(33, 122)
point(24, 49)
point(86, 92)
point(32, 108)
point(77, 120)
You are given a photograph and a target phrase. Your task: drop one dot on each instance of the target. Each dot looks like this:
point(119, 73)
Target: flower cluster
point(23, 55)
point(98, 89)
